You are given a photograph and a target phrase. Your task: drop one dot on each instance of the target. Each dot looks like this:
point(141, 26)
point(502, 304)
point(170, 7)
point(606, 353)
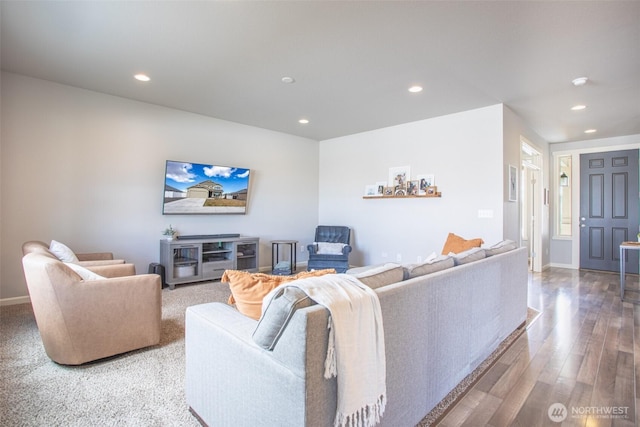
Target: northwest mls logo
point(557, 412)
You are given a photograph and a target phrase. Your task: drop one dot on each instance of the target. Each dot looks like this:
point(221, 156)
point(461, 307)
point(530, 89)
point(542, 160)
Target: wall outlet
point(302, 248)
point(399, 257)
point(418, 258)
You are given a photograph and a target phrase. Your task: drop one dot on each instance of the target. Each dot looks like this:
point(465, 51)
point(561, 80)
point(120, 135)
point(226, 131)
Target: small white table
point(626, 246)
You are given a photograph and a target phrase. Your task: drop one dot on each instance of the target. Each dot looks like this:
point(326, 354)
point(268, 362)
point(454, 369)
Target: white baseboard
point(14, 301)
point(557, 265)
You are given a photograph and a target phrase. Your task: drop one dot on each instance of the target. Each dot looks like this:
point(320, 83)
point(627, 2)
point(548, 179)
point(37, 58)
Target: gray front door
point(608, 209)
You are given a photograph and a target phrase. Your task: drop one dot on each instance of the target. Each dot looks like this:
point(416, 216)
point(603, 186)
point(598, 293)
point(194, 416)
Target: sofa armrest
point(94, 256)
point(113, 270)
point(226, 369)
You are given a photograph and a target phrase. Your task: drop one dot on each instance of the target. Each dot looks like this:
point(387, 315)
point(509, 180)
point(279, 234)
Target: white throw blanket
point(356, 353)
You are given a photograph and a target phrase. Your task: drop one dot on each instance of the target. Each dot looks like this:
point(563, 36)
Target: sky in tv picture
point(181, 176)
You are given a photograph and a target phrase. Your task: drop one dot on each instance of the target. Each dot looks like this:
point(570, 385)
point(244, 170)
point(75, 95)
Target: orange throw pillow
point(248, 289)
point(457, 244)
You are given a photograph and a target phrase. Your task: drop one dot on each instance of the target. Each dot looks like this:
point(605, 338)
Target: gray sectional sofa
point(438, 328)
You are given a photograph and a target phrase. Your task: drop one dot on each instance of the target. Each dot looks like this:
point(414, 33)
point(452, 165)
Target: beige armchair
point(84, 320)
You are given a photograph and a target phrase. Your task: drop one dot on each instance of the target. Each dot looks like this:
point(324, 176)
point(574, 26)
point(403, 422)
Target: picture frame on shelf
point(425, 181)
point(380, 185)
point(399, 176)
point(370, 190)
point(432, 190)
point(388, 191)
point(400, 190)
point(413, 187)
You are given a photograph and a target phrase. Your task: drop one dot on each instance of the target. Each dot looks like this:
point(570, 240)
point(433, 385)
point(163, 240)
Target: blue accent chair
point(330, 234)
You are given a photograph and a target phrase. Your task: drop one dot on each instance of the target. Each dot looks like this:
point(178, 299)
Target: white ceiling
point(352, 61)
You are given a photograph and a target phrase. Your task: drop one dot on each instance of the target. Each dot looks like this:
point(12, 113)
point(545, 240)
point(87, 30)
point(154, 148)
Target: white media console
point(202, 258)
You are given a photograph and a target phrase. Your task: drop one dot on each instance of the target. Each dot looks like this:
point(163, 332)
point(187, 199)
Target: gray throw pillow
point(441, 262)
point(376, 276)
point(277, 314)
point(473, 254)
point(501, 247)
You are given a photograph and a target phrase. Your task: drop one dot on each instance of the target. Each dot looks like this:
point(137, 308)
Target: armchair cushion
point(63, 252)
point(84, 273)
point(329, 248)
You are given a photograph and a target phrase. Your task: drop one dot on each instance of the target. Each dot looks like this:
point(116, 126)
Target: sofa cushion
point(457, 244)
point(473, 254)
point(501, 247)
point(63, 252)
point(86, 274)
point(276, 315)
point(248, 289)
point(376, 276)
point(431, 265)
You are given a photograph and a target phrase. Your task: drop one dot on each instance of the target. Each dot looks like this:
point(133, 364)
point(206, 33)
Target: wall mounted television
point(197, 188)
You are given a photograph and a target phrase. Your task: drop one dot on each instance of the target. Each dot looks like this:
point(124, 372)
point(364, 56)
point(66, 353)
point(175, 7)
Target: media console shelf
point(196, 260)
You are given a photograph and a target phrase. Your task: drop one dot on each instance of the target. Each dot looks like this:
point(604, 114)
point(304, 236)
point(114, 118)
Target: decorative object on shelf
point(370, 190)
point(425, 182)
point(400, 185)
point(170, 232)
point(399, 176)
point(513, 183)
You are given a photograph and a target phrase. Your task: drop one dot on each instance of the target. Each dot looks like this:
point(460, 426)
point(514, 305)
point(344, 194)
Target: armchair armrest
point(312, 248)
point(98, 262)
point(113, 270)
point(95, 256)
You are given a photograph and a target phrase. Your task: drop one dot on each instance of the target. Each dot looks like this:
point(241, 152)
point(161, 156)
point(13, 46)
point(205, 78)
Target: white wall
point(514, 130)
point(87, 169)
point(465, 153)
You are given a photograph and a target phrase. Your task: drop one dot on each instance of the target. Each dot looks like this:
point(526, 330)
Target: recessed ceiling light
point(415, 89)
point(590, 131)
point(288, 80)
point(579, 81)
point(303, 121)
point(142, 77)
point(578, 107)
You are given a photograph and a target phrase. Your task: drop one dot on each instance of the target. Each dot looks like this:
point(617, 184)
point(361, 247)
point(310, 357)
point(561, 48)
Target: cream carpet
point(140, 388)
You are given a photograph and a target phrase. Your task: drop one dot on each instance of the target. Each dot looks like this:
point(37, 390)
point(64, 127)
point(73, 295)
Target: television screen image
point(196, 188)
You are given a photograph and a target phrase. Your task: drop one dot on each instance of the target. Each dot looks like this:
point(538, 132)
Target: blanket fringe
point(368, 416)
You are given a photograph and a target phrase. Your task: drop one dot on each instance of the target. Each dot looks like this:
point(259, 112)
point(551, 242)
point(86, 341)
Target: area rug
point(455, 395)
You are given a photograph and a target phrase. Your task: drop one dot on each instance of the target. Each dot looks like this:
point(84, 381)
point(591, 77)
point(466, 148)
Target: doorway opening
point(531, 203)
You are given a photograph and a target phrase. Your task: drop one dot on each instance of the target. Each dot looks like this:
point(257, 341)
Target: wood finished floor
point(583, 352)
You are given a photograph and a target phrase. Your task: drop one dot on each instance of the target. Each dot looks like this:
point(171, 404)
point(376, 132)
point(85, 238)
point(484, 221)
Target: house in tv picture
point(205, 190)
